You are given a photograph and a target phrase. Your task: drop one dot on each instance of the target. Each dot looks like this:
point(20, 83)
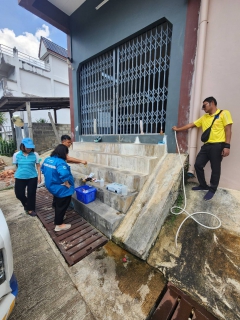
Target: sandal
point(98, 139)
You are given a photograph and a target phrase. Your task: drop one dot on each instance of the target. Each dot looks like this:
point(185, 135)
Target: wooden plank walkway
point(75, 243)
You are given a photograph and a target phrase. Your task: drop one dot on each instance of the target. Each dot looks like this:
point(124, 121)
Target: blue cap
point(28, 143)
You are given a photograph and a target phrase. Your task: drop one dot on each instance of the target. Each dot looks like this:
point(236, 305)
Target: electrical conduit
point(202, 32)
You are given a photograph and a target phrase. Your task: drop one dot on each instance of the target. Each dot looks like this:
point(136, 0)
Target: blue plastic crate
point(86, 193)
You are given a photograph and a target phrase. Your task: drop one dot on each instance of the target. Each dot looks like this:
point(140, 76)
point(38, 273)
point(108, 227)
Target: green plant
point(41, 120)
point(3, 118)
point(7, 148)
point(179, 201)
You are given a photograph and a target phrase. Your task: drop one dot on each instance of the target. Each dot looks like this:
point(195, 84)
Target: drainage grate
point(176, 305)
point(75, 243)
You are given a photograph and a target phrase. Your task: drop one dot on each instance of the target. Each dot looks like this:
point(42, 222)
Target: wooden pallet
point(75, 243)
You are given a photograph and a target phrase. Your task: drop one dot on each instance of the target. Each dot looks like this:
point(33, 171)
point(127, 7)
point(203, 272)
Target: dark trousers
point(20, 192)
point(209, 152)
point(61, 205)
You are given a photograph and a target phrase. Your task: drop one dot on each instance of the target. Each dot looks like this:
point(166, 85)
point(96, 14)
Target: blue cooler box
point(86, 193)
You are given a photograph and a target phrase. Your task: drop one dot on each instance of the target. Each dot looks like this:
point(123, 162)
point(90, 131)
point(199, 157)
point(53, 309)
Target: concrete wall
point(93, 31)
point(221, 77)
point(44, 137)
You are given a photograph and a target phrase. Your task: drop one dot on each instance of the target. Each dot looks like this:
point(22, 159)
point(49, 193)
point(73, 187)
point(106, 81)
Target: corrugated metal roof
point(54, 47)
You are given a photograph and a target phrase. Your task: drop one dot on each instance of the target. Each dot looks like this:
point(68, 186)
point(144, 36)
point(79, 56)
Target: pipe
point(200, 55)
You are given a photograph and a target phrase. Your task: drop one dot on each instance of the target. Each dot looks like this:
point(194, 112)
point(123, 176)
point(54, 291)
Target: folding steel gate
point(125, 90)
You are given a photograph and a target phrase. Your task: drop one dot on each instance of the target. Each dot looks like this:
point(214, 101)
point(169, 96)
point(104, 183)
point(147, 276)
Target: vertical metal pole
point(114, 91)
point(13, 128)
point(55, 115)
point(95, 94)
point(135, 75)
point(131, 91)
point(149, 77)
point(140, 82)
point(127, 84)
point(153, 86)
point(98, 72)
point(28, 108)
point(159, 76)
point(117, 92)
point(144, 81)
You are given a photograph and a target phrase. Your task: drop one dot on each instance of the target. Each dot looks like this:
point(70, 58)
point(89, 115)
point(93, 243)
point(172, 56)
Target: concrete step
point(141, 225)
point(116, 201)
point(134, 180)
point(133, 163)
point(140, 149)
point(100, 215)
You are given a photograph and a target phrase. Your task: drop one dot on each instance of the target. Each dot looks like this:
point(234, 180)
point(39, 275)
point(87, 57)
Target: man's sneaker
point(64, 227)
point(200, 188)
point(209, 195)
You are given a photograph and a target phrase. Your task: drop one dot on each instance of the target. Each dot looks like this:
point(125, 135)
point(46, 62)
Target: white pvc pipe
point(197, 92)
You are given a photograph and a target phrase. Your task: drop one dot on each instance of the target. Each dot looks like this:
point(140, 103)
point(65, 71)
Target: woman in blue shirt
point(27, 175)
point(60, 183)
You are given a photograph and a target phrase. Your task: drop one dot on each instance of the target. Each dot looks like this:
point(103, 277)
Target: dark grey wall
point(93, 31)
point(44, 136)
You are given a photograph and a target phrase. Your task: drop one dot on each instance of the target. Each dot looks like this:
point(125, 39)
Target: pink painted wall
point(221, 78)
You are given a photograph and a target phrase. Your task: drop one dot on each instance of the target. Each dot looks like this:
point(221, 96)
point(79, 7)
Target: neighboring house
point(25, 76)
point(135, 62)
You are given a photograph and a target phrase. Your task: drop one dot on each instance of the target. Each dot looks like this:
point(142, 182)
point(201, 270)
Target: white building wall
point(29, 80)
point(35, 85)
point(60, 89)
point(222, 77)
point(59, 70)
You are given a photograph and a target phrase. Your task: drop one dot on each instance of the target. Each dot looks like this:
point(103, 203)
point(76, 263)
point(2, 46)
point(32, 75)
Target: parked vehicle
point(8, 281)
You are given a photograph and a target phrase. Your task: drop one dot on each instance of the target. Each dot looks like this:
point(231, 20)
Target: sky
point(21, 29)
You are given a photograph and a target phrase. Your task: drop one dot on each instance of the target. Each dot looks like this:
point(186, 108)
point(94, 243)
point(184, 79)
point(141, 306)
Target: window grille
point(127, 86)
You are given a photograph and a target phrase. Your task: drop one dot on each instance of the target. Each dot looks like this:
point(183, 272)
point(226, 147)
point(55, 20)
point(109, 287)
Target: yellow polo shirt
point(217, 133)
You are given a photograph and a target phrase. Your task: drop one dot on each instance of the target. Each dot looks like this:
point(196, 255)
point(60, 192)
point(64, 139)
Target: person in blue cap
point(27, 175)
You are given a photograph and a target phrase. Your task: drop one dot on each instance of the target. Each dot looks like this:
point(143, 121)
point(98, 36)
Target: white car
point(8, 281)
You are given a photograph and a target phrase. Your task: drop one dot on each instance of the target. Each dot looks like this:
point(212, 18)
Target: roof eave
point(48, 12)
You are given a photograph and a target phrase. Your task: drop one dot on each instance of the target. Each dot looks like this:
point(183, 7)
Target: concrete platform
point(134, 163)
point(117, 201)
point(100, 215)
point(140, 227)
point(134, 180)
point(100, 287)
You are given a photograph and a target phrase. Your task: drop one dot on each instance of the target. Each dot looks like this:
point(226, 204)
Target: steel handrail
point(25, 57)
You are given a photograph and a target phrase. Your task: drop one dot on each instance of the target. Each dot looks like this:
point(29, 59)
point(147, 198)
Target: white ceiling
point(67, 6)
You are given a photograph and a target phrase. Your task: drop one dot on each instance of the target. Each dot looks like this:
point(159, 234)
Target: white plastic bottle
point(101, 182)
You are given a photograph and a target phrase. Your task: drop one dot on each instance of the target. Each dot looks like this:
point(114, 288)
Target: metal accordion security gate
point(124, 91)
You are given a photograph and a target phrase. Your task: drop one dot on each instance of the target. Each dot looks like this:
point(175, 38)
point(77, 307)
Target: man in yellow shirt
point(216, 147)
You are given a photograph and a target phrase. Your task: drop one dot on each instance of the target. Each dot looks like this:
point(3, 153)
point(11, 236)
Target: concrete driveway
point(100, 287)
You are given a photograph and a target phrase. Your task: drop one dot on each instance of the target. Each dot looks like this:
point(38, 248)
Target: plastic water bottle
point(101, 183)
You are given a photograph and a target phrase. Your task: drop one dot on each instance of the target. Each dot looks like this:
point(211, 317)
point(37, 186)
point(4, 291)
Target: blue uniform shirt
point(56, 171)
point(26, 165)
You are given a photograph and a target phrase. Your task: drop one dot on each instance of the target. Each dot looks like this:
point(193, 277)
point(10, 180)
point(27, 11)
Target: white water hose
point(185, 204)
